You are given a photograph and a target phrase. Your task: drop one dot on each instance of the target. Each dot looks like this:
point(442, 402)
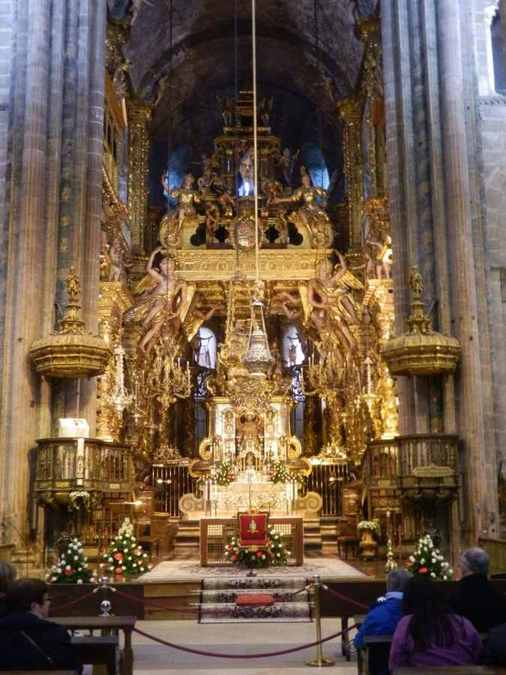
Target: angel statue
point(161, 296)
point(172, 223)
point(329, 296)
point(310, 214)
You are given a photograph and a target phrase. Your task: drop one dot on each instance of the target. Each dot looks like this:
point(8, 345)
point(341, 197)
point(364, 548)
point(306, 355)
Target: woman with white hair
point(475, 597)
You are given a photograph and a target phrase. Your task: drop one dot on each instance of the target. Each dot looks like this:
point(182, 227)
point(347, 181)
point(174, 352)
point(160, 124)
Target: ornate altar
point(216, 532)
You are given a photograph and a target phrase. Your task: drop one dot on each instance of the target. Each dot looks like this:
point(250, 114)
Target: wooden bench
point(98, 650)
point(372, 641)
point(454, 670)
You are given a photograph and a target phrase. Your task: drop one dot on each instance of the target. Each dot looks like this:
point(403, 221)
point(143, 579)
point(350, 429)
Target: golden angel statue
point(333, 307)
point(161, 297)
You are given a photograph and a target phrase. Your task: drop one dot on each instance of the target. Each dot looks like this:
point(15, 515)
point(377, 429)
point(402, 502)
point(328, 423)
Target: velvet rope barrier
point(72, 602)
point(344, 597)
point(259, 655)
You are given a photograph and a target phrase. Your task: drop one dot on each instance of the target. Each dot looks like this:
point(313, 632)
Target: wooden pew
point(41, 672)
point(455, 670)
point(371, 641)
point(98, 650)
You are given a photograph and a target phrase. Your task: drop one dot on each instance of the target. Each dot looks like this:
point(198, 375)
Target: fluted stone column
point(55, 201)
point(434, 192)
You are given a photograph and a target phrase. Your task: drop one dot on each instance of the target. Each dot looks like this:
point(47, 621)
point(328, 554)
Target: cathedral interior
point(252, 262)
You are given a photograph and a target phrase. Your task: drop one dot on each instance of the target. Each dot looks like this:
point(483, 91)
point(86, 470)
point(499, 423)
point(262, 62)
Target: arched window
point(314, 161)
point(204, 348)
point(498, 53)
point(292, 349)
point(177, 166)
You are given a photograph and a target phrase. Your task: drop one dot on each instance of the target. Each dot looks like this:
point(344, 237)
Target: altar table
point(216, 532)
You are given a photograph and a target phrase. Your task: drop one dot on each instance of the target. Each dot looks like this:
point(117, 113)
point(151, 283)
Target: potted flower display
point(368, 530)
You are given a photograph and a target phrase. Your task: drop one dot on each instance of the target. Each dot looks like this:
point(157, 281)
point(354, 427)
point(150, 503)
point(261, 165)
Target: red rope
point(344, 597)
point(69, 604)
point(261, 655)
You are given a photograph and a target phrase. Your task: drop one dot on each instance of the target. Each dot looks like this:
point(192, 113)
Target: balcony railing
point(64, 465)
point(414, 457)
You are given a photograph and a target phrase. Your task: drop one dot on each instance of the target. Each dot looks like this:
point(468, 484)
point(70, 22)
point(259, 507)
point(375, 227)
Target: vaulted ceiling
point(185, 53)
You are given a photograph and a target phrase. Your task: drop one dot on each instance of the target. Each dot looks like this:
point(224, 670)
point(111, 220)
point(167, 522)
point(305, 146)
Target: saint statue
point(172, 223)
point(310, 214)
point(249, 435)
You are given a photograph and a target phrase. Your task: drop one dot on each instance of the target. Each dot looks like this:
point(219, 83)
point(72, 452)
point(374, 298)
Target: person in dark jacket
point(28, 641)
point(7, 576)
point(475, 597)
point(382, 619)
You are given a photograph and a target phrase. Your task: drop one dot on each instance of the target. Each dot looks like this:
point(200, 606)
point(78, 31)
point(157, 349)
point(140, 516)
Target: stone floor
point(154, 659)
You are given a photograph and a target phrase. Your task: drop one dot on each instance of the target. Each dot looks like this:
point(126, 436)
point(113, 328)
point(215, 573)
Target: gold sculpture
point(420, 351)
point(70, 352)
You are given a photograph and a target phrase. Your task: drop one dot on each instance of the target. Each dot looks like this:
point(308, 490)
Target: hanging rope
point(255, 137)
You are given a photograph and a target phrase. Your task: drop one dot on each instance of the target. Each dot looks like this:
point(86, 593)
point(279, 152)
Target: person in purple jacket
point(430, 634)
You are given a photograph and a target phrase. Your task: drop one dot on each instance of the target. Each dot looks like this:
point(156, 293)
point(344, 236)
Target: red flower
point(69, 572)
point(423, 570)
point(118, 556)
point(234, 558)
point(118, 570)
point(259, 554)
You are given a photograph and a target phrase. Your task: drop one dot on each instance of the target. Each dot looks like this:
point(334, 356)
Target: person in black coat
point(475, 597)
point(28, 641)
point(7, 576)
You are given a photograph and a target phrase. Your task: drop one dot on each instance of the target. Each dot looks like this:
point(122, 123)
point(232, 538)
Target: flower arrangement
point(279, 473)
point(72, 566)
point(224, 473)
point(372, 525)
point(427, 560)
point(273, 553)
point(125, 557)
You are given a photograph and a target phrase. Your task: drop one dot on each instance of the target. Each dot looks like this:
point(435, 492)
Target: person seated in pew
point(475, 597)
point(382, 619)
point(430, 634)
point(495, 650)
point(384, 615)
point(28, 641)
point(7, 576)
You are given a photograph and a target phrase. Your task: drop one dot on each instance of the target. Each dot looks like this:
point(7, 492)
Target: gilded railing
point(64, 465)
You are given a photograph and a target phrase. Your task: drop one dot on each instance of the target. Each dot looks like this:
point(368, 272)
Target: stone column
point(55, 193)
point(471, 323)
point(139, 115)
point(433, 160)
point(19, 418)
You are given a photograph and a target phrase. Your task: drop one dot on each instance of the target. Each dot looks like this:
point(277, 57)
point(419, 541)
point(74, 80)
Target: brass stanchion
point(319, 661)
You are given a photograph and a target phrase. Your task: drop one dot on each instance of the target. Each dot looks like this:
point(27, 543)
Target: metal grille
point(170, 482)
